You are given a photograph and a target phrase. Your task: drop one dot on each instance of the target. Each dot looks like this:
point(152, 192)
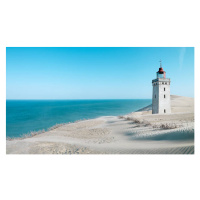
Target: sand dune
point(136, 133)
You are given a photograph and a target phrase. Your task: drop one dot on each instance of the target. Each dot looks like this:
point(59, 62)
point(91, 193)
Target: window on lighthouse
point(164, 95)
point(164, 88)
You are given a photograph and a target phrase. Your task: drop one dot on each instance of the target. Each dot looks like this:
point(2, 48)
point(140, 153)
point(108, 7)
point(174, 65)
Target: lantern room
point(161, 73)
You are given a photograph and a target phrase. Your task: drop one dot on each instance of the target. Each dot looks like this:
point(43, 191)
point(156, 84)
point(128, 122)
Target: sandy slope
point(142, 133)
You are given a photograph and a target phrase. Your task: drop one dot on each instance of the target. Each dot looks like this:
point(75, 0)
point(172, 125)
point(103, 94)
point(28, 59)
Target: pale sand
point(142, 133)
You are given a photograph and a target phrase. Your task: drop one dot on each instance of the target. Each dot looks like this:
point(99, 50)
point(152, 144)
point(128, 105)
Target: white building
point(161, 93)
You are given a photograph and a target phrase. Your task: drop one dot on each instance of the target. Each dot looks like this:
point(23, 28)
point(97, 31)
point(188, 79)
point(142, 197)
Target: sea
point(25, 116)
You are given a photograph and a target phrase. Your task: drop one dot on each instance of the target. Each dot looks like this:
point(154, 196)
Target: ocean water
point(25, 116)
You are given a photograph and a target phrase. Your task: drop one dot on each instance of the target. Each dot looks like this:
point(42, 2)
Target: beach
point(135, 133)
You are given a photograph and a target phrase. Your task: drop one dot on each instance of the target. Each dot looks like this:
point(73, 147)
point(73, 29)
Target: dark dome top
point(161, 71)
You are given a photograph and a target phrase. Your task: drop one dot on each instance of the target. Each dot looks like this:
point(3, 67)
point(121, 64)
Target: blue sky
point(95, 72)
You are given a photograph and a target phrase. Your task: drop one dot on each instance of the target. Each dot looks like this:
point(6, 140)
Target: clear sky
point(95, 72)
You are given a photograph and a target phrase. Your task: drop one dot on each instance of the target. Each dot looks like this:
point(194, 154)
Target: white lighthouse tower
point(161, 93)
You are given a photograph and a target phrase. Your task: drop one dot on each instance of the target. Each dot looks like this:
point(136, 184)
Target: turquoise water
point(24, 116)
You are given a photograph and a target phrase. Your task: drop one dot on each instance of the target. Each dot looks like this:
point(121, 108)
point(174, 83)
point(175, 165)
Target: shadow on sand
point(171, 136)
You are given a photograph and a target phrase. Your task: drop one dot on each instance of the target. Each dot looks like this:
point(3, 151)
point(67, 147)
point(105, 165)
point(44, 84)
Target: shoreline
point(133, 133)
point(34, 133)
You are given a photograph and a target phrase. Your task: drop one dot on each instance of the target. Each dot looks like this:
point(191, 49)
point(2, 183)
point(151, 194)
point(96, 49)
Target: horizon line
point(79, 99)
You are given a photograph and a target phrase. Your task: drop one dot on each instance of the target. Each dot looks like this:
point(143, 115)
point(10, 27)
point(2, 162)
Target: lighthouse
point(161, 93)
